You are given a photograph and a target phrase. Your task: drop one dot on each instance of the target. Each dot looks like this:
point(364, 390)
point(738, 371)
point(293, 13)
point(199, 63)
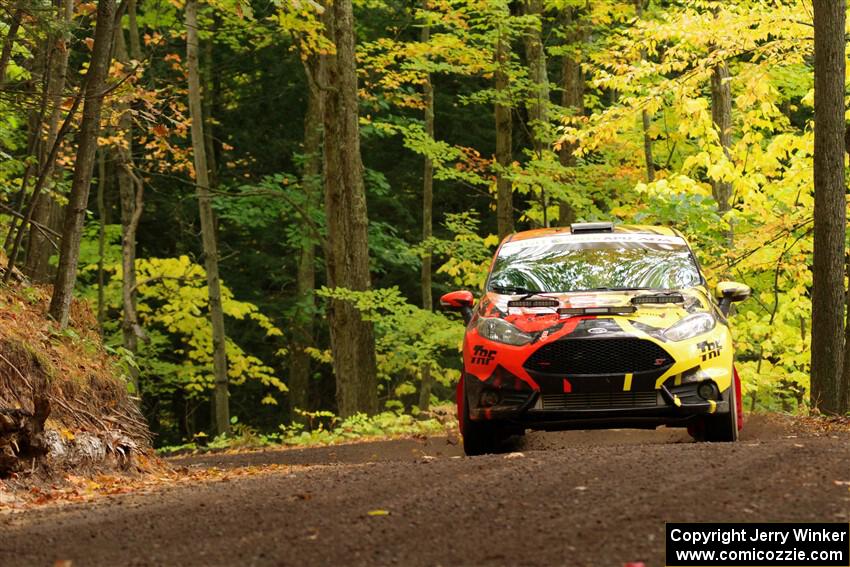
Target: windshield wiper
point(513, 290)
point(614, 289)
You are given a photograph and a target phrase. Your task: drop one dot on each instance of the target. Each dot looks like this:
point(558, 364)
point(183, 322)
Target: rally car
point(596, 326)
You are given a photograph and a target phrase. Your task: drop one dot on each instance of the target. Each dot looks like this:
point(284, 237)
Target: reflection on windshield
point(561, 267)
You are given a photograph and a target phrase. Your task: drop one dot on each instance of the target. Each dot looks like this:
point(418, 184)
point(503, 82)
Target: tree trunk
point(830, 206)
point(207, 106)
point(43, 172)
point(537, 103)
point(647, 141)
point(47, 211)
point(721, 115)
point(304, 332)
point(9, 43)
point(647, 147)
point(66, 274)
point(101, 237)
point(844, 386)
point(39, 67)
point(427, 222)
point(131, 193)
point(352, 338)
point(504, 191)
point(40, 248)
point(135, 45)
point(572, 98)
point(220, 394)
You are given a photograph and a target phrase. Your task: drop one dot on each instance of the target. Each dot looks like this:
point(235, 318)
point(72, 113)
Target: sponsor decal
point(709, 349)
point(592, 300)
point(597, 330)
point(481, 355)
point(642, 238)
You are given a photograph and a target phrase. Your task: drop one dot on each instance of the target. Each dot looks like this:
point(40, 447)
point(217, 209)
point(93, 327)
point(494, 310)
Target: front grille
point(596, 400)
point(598, 356)
point(513, 398)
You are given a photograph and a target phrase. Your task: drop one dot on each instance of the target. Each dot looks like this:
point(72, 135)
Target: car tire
point(723, 427)
point(480, 438)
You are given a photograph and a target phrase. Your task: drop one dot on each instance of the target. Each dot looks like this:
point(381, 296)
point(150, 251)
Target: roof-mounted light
point(588, 227)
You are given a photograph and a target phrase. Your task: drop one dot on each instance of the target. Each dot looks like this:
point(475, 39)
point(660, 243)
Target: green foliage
point(407, 339)
point(253, 61)
point(173, 306)
point(360, 426)
point(467, 255)
point(319, 428)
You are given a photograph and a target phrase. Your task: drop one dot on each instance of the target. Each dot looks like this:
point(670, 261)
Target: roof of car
point(617, 229)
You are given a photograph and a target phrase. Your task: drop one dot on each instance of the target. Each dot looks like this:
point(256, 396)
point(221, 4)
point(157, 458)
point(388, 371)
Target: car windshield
point(601, 262)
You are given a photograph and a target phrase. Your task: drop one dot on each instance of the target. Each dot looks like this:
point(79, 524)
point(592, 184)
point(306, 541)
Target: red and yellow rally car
point(596, 326)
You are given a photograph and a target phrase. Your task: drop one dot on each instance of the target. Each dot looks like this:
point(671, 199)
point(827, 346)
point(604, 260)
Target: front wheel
point(723, 427)
point(479, 438)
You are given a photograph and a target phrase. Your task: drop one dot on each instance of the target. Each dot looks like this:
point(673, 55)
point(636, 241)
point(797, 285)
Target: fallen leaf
point(378, 513)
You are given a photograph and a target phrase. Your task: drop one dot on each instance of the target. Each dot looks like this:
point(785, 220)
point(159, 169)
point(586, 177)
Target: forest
point(262, 200)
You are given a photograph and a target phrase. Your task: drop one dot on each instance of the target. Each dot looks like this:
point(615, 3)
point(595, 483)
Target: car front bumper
point(671, 404)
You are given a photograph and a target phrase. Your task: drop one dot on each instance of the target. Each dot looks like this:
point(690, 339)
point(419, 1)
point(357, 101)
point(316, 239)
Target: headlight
point(502, 332)
point(690, 327)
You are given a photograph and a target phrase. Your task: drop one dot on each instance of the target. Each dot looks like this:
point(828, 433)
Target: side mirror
point(459, 301)
point(728, 293)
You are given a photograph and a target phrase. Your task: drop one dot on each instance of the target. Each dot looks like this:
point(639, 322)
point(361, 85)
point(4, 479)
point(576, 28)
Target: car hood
point(533, 318)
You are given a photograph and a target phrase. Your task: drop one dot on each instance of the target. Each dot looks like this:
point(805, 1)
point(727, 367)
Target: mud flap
point(459, 396)
point(738, 399)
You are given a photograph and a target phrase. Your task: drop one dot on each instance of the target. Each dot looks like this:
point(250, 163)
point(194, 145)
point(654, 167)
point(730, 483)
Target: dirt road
point(580, 498)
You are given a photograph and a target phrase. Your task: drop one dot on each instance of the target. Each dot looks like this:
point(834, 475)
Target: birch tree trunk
point(66, 274)
point(352, 338)
point(828, 296)
point(221, 402)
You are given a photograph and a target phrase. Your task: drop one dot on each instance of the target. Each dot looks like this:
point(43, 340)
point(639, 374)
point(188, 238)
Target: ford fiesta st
point(596, 326)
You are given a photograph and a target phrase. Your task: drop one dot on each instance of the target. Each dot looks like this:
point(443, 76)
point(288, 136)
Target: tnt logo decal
point(481, 355)
point(709, 349)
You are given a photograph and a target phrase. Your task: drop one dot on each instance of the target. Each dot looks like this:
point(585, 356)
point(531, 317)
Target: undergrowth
point(320, 428)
